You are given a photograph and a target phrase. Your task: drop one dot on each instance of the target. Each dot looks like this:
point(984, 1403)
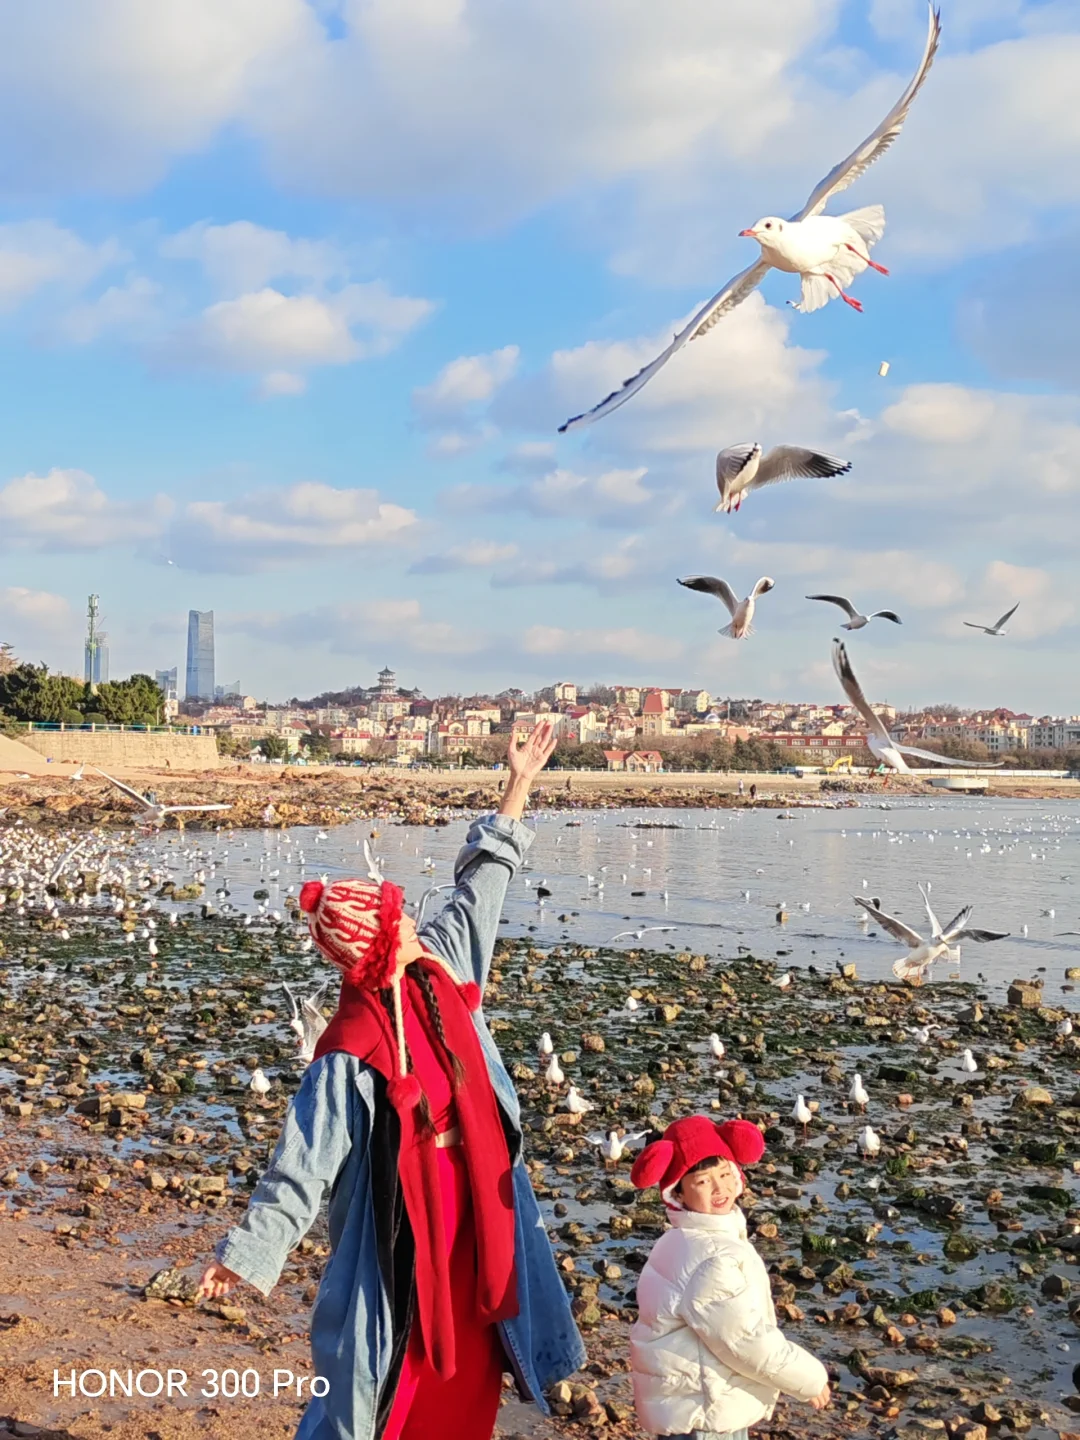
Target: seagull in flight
point(879, 742)
point(741, 611)
point(998, 626)
point(154, 814)
point(742, 468)
point(307, 1020)
point(942, 944)
point(855, 621)
point(826, 250)
point(639, 934)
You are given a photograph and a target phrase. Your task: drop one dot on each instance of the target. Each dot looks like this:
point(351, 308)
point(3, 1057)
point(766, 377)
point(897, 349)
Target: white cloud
point(743, 380)
point(613, 496)
point(281, 382)
point(275, 527)
point(628, 642)
point(35, 253)
point(104, 95)
point(362, 628)
point(128, 311)
point(467, 381)
point(67, 510)
point(268, 329)
point(474, 555)
point(28, 615)
point(243, 256)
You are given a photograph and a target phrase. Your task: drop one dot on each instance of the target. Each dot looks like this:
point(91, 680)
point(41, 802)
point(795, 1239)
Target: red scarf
point(363, 1028)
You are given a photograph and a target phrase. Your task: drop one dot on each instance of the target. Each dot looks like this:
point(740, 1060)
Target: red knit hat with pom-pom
point(687, 1142)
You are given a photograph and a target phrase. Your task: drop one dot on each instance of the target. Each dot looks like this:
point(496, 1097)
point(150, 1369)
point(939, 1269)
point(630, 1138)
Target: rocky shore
point(282, 798)
point(935, 1278)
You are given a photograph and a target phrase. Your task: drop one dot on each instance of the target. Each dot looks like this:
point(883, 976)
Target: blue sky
point(294, 295)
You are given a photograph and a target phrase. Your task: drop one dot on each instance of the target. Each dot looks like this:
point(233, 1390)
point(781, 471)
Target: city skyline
point(315, 386)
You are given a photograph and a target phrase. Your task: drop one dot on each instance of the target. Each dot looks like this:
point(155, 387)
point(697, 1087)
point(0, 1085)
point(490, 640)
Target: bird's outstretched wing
point(710, 585)
point(972, 626)
point(374, 873)
point(126, 788)
point(1007, 616)
point(853, 690)
point(185, 809)
point(935, 923)
point(886, 615)
point(733, 293)
point(730, 463)
point(875, 144)
point(947, 759)
point(61, 865)
point(895, 927)
point(292, 1001)
point(792, 462)
point(980, 937)
point(844, 604)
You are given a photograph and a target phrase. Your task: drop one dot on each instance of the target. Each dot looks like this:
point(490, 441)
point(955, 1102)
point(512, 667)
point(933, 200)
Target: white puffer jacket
point(705, 1351)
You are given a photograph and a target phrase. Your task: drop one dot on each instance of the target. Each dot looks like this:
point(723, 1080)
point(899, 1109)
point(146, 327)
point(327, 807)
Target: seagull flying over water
point(307, 1020)
point(741, 611)
point(827, 251)
point(855, 621)
point(923, 953)
point(614, 1146)
point(742, 468)
point(154, 814)
point(997, 627)
point(878, 740)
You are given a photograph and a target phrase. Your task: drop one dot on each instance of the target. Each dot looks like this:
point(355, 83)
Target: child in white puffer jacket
point(707, 1358)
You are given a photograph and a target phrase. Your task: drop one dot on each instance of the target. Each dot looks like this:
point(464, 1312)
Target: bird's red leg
point(847, 299)
point(872, 263)
point(738, 504)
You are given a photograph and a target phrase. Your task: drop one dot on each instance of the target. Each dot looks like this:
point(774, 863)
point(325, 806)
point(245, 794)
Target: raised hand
point(525, 762)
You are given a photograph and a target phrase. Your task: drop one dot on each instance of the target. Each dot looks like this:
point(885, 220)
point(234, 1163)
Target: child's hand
point(218, 1281)
point(819, 1402)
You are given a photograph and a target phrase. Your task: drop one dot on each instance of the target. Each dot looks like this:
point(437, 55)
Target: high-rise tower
point(200, 655)
point(96, 650)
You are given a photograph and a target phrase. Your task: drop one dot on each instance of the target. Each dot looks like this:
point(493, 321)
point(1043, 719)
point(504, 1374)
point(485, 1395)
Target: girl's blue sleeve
point(464, 933)
point(319, 1131)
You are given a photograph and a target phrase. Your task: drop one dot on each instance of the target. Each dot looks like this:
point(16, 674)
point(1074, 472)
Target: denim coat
point(325, 1145)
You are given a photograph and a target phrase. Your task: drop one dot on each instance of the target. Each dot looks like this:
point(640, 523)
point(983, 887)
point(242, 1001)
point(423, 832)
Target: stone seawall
point(125, 749)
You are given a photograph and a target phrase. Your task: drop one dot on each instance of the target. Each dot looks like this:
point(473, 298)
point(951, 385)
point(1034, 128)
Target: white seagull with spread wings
point(826, 250)
point(741, 611)
point(855, 621)
point(308, 1021)
point(742, 468)
point(155, 814)
point(942, 944)
point(878, 740)
point(997, 627)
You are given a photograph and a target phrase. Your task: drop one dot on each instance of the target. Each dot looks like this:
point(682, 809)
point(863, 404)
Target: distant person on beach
point(742, 788)
point(753, 792)
point(441, 1276)
point(706, 1356)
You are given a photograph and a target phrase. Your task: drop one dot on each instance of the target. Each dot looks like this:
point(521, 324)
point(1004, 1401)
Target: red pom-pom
point(311, 893)
point(404, 1092)
point(745, 1141)
point(651, 1165)
point(472, 996)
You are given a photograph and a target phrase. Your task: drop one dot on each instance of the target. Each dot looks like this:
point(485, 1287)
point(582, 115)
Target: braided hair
point(423, 979)
point(427, 1120)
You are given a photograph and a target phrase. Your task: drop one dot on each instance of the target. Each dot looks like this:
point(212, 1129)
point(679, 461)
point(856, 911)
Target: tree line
point(34, 693)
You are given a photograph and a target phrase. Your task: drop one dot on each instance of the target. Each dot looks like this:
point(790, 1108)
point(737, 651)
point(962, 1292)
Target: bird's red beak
point(752, 234)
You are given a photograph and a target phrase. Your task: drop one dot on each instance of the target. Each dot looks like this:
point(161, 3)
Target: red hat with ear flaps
point(688, 1141)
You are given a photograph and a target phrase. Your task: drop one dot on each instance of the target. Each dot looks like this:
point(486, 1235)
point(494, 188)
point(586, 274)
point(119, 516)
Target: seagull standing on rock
point(868, 1141)
point(827, 251)
point(858, 1094)
point(801, 1113)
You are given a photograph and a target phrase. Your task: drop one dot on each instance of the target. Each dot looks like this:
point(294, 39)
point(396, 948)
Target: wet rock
point(1056, 1287)
point(1025, 994)
point(171, 1284)
point(1032, 1097)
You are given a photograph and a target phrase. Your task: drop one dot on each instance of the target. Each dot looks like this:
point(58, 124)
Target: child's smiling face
point(713, 1190)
